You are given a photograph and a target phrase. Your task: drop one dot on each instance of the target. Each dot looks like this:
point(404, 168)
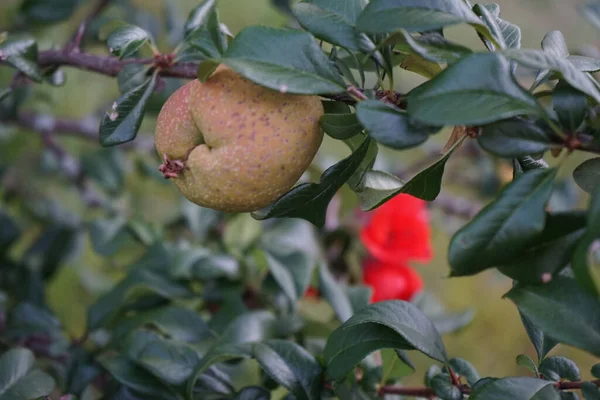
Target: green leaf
point(126, 40)
point(131, 76)
point(47, 12)
point(590, 391)
point(515, 137)
point(171, 362)
point(284, 60)
point(327, 25)
point(539, 59)
point(291, 274)
point(509, 224)
point(585, 64)
point(108, 236)
point(10, 231)
point(479, 89)
point(511, 34)
point(241, 232)
point(349, 10)
point(387, 324)
point(341, 126)
point(541, 342)
point(334, 294)
point(586, 258)
point(198, 219)
point(129, 374)
point(291, 366)
point(105, 167)
point(379, 186)
point(549, 252)
point(382, 16)
point(489, 19)
point(137, 284)
point(202, 264)
point(525, 361)
point(557, 368)
point(595, 370)
point(522, 388)
point(570, 105)
point(444, 388)
point(587, 175)
point(431, 46)
point(466, 369)
point(391, 126)
point(206, 69)
point(122, 123)
point(199, 16)
point(252, 326)
point(21, 51)
point(176, 322)
point(554, 43)
point(253, 393)
point(562, 310)
point(309, 201)
point(18, 379)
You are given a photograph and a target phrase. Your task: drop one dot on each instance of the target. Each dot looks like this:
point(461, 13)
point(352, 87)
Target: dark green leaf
point(444, 388)
point(562, 310)
point(21, 51)
point(341, 126)
point(202, 264)
point(310, 200)
point(379, 186)
point(387, 324)
point(334, 294)
point(138, 283)
point(541, 342)
point(105, 167)
point(205, 69)
point(522, 388)
point(391, 126)
point(539, 59)
point(44, 11)
point(129, 374)
point(570, 106)
point(122, 123)
point(382, 16)
point(431, 46)
point(479, 89)
point(284, 60)
point(253, 393)
point(595, 370)
point(557, 368)
point(291, 366)
point(525, 361)
point(10, 231)
point(549, 252)
point(199, 16)
point(198, 219)
point(108, 236)
point(349, 10)
point(515, 137)
point(18, 379)
point(326, 25)
point(131, 76)
point(586, 259)
point(126, 40)
point(587, 175)
point(359, 296)
point(590, 391)
point(511, 222)
point(51, 248)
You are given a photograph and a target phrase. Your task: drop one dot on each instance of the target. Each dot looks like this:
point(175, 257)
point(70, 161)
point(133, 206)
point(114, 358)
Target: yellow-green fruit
point(243, 145)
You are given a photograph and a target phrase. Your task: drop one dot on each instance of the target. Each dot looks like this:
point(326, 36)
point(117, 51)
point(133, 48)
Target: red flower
point(398, 231)
point(391, 281)
point(311, 293)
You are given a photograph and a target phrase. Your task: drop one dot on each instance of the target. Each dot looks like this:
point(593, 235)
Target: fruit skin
point(243, 145)
point(391, 281)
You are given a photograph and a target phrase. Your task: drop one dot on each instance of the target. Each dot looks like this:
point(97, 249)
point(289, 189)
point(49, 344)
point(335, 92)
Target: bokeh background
point(491, 341)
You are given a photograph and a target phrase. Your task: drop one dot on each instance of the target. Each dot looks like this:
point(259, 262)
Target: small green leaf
point(131, 76)
point(341, 126)
point(562, 310)
point(515, 137)
point(544, 60)
point(310, 200)
point(522, 388)
point(590, 391)
point(386, 324)
point(241, 232)
point(48, 12)
point(587, 175)
point(491, 22)
point(541, 342)
point(595, 370)
point(122, 122)
point(512, 221)
point(18, 379)
point(570, 105)
point(253, 393)
point(108, 236)
point(199, 16)
point(10, 231)
point(327, 25)
point(444, 388)
point(586, 258)
point(284, 60)
point(334, 294)
point(390, 126)
point(511, 34)
point(105, 167)
point(466, 369)
point(382, 16)
point(21, 51)
point(585, 64)
point(431, 46)
point(525, 361)
point(557, 368)
point(126, 40)
point(448, 98)
point(205, 69)
point(554, 43)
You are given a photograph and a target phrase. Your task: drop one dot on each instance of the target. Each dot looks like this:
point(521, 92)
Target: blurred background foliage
point(491, 342)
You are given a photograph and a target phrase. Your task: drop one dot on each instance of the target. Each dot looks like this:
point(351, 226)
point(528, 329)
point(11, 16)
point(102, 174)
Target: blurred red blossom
point(399, 231)
point(391, 281)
